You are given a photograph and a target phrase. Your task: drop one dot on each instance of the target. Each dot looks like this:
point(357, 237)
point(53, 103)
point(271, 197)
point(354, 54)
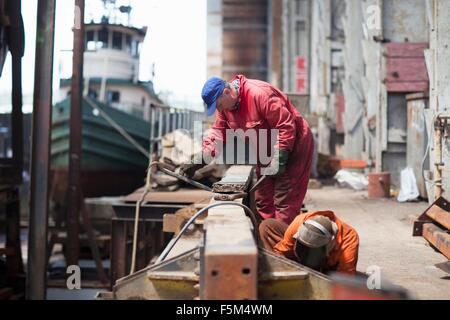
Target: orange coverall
point(343, 257)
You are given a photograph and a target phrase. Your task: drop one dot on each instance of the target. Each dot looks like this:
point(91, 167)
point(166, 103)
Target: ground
point(385, 230)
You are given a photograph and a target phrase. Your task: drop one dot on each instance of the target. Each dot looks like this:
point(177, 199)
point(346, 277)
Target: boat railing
point(165, 119)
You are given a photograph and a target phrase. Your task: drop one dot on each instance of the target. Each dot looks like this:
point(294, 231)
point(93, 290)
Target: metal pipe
point(40, 151)
point(76, 100)
point(172, 243)
point(437, 176)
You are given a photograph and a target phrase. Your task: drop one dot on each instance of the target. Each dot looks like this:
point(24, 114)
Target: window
point(102, 39)
point(92, 94)
point(134, 48)
point(117, 40)
point(128, 43)
point(113, 96)
point(90, 43)
point(300, 35)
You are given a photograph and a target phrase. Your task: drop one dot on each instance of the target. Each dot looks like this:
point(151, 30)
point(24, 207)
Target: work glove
point(188, 169)
point(278, 164)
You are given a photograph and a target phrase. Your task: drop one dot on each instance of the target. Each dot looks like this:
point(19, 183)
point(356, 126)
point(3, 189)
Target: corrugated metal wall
point(245, 38)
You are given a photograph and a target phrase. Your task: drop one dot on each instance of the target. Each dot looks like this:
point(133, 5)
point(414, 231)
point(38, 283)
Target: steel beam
point(40, 150)
point(438, 238)
point(439, 214)
point(230, 262)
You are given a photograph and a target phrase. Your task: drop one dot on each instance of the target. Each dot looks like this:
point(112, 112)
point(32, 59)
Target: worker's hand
point(189, 169)
point(278, 164)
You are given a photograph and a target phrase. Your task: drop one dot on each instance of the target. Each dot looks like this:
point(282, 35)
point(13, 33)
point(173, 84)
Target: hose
point(197, 214)
point(137, 213)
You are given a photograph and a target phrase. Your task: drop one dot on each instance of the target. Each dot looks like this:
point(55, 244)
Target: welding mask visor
point(314, 258)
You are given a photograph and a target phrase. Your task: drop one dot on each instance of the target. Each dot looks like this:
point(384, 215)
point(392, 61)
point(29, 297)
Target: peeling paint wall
point(438, 62)
point(320, 80)
point(353, 90)
point(405, 21)
point(296, 45)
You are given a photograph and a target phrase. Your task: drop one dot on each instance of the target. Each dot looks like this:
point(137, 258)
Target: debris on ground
point(178, 147)
point(350, 179)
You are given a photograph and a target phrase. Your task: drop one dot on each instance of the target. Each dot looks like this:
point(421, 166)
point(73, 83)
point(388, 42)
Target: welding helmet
point(315, 239)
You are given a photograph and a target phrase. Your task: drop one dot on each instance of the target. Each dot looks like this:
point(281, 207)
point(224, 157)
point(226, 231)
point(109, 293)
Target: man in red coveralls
point(252, 104)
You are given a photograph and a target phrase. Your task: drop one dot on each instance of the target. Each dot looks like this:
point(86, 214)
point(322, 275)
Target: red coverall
point(263, 106)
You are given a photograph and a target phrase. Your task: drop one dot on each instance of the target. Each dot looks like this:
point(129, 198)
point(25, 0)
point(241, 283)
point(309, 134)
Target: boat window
point(102, 38)
point(113, 96)
point(134, 48)
point(93, 94)
point(90, 43)
point(128, 43)
point(117, 40)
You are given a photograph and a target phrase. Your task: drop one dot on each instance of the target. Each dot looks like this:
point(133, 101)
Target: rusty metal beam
point(440, 212)
point(76, 100)
point(230, 255)
point(438, 238)
point(237, 179)
point(40, 150)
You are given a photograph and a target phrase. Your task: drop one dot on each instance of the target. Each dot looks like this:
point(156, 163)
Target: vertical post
point(440, 93)
point(40, 151)
point(17, 51)
point(275, 43)
point(73, 214)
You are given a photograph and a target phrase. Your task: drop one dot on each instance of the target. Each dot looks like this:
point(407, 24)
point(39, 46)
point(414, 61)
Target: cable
point(197, 214)
point(427, 151)
point(137, 213)
point(116, 126)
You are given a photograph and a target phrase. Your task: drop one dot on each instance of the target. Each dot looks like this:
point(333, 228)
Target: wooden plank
point(437, 237)
point(406, 69)
point(406, 87)
point(405, 49)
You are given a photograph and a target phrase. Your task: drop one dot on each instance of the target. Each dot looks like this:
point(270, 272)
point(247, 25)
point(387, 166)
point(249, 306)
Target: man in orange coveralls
point(249, 104)
point(319, 240)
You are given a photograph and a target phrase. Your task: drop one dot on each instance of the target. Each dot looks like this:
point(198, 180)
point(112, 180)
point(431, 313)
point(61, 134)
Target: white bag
point(408, 189)
point(354, 180)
